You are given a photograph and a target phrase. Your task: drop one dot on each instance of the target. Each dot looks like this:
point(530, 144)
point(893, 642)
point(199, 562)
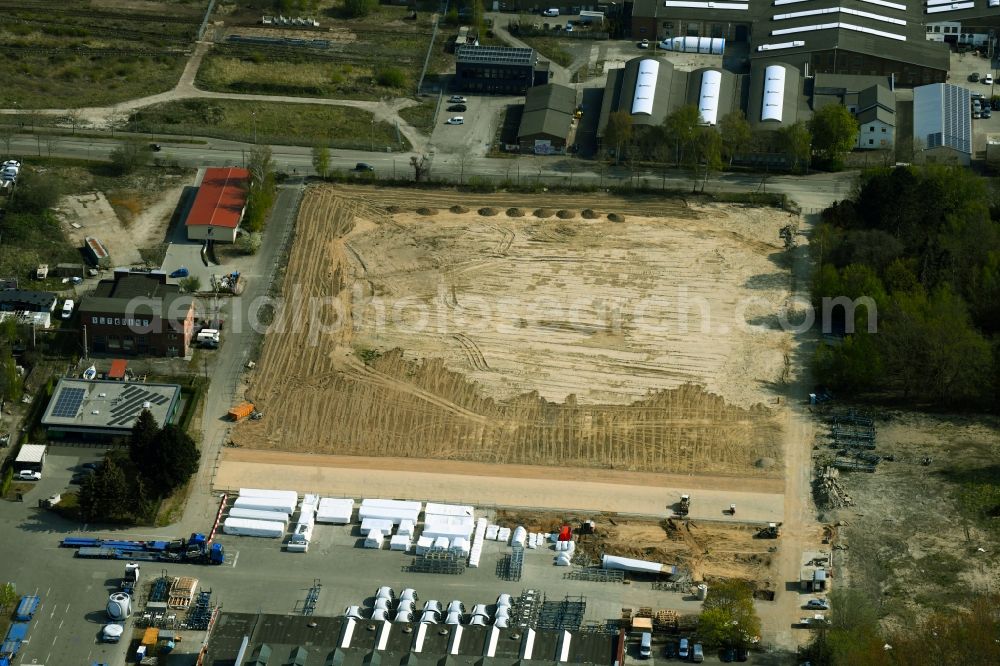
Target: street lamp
point(253, 114)
point(372, 148)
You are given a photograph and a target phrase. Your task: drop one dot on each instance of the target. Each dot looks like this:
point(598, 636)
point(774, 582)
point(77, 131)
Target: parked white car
point(29, 475)
point(988, 79)
point(67, 310)
point(551, 12)
point(456, 120)
point(457, 99)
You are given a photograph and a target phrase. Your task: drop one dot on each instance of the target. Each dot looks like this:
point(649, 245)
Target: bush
point(481, 184)
point(358, 8)
point(390, 77)
point(128, 157)
point(35, 193)
point(191, 284)
point(249, 243)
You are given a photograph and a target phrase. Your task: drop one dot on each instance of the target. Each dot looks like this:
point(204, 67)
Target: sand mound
point(616, 217)
point(566, 214)
point(544, 212)
point(393, 209)
point(458, 209)
point(488, 212)
point(427, 211)
point(515, 212)
point(589, 214)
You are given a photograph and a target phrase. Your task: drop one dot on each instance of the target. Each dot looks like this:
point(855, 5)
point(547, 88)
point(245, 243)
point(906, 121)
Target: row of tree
point(683, 140)
point(922, 246)
point(263, 188)
point(128, 486)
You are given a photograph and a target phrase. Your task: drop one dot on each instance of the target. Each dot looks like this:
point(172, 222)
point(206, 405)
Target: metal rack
point(161, 589)
point(200, 614)
point(596, 575)
point(564, 615)
point(525, 609)
point(438, 560)
point(510, 566)
point(309, 605)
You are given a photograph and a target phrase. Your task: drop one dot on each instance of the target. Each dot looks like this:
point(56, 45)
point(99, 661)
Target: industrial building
point(942, 124)
point(774, 96)
point(649, 89)
point(219, 205)
point(498, 69)
point(547, 119)
point(876, 115)
point(137, 313)
point(101, 409)
point(22, 300)
point(904, 40)
point(251, 638)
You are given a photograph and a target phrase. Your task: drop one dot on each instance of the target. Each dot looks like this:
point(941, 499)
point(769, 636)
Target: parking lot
point(962, 66)
point(475, 135)
point(257, 575)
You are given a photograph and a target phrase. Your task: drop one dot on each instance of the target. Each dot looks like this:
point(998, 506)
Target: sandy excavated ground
point(525, 340)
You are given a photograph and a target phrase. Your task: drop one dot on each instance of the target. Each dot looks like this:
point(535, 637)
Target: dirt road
point(492, 485)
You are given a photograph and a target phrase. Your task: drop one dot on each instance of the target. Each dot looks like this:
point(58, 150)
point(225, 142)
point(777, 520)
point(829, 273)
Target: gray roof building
point(138, 294)
point(548, 113)
point(774, 95)
point(98, 408)
point(342, 642)
point(876, 103)
point(666, 91)
point(942, 123)
point(16, 300)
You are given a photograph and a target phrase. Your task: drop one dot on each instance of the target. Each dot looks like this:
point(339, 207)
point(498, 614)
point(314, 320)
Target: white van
point(209, 337)
point(646, 647)
point(67, 310)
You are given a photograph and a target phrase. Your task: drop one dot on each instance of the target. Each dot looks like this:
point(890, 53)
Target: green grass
point(70, 54)
point(285, 124)
point(421, 116)
point(552, 48)
point(350, 70)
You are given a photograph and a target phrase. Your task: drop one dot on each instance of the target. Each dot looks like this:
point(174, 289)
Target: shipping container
point(257, 528)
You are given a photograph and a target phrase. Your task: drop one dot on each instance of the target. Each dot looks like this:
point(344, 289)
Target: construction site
point(528, 338)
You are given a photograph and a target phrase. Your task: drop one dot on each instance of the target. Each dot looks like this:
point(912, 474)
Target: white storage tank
point(702, 592)
point(119, 606)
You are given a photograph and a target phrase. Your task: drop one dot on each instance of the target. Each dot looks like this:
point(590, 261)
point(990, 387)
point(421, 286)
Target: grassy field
point(552, 48)
point(380, 55)
point(421, 116)
point(286, 124)
point(70, 54)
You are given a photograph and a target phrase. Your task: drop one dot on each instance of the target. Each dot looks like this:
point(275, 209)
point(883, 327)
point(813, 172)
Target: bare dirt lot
point(707, 551)
point(922, 538)
point(642, 345)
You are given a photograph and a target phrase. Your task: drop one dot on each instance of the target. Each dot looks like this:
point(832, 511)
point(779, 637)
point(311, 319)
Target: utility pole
point(253, 114)
point(85, 351)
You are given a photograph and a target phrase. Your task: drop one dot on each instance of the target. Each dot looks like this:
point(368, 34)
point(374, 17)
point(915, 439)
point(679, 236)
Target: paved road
point(815, 191)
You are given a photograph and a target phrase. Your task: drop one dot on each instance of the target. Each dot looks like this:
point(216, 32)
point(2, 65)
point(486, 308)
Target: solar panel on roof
point(68, 403)
point(496, 55)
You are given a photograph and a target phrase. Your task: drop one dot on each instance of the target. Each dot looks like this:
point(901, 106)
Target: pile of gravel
point(589, 214)
point(515, 212)
point(488, 212)
point(544, 212)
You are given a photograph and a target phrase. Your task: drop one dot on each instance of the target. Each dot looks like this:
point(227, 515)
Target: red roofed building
point(219, 205)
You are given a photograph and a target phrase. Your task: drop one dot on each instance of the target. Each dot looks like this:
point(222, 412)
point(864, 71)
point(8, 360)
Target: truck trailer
point(195, 550)
point(26, 608)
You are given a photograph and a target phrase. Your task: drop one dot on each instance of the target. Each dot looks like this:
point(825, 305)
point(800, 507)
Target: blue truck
point(11, 645)
point(195, 550)
point(26, 608)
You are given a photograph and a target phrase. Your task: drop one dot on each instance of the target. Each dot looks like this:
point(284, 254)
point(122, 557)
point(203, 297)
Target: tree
point(128, 156)
point(728, 616)
point(682, 128)
point(191, 284)
point(707, 149)
point(796, 141)
point(421, 168)
point(834, 131)
point(105, 494)
point(618, 131)
point(174, 458)
point(359, 8)
point(35, 192)
point(8, 596)
point(249, 243)
point(260, 198)
point(321, 159)
point(735, 132)
point(141, 441)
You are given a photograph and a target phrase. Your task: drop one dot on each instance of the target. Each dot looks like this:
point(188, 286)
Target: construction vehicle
point(241, 411)
point(684, 506)
point(772, 531)
point(195, 550)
